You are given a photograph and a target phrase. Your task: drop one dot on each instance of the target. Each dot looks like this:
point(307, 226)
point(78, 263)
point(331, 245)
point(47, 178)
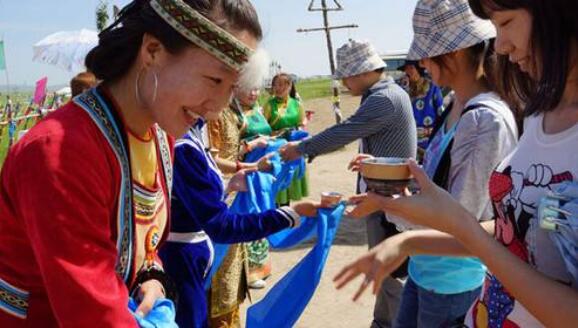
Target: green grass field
point(16, 97)
point(307, 89)
point(314, 88)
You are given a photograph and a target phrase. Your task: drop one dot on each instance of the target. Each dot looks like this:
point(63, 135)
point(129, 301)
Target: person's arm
point(230, 167)
point(64, 195)
point(433, 242)
point(383, 259)
point(481, 142)
point(248, 146)
point(372, 116)
point(214, 129)
point(551, 302)
point(200, 192)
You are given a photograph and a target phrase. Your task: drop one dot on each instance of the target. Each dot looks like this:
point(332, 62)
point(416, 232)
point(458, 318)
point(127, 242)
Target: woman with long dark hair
point(532, 281)
point(84, 202)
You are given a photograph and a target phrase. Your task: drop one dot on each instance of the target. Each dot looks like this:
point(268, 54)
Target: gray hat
point(444, 26)
point(357, 57)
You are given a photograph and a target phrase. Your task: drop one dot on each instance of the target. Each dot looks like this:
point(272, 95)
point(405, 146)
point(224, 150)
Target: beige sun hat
point(357, 57)
point(444, 26)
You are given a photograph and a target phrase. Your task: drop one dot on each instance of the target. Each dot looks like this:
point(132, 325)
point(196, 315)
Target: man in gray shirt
point(385, 124)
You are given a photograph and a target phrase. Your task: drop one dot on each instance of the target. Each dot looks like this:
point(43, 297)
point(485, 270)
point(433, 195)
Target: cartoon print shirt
point(539, 164)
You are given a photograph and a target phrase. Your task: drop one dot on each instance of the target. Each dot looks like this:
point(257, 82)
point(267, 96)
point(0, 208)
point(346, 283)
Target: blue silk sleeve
point(198, 189)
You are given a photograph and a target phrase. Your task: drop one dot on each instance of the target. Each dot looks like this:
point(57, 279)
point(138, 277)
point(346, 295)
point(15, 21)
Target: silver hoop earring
point(156, 84)
point(137, 90)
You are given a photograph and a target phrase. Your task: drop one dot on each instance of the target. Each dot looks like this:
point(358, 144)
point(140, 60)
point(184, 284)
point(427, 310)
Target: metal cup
point(330, 199)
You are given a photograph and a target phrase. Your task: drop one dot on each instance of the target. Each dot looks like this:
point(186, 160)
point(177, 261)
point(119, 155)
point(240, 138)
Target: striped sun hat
point(444, 26)
point(357, 57)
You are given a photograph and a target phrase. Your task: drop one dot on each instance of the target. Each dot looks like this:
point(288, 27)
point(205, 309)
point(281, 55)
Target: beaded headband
point(203, 32)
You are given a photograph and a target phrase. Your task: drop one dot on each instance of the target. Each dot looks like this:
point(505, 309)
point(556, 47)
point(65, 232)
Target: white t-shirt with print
point(539, 164)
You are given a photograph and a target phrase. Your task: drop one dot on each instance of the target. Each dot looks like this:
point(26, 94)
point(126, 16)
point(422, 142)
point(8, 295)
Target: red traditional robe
point(58, 228)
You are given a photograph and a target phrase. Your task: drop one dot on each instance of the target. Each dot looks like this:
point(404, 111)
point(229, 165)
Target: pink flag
point(40, 92)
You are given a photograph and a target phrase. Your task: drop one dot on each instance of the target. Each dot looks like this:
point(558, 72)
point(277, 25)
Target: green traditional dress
point(285, 115)
point(255, 124)
point(257, 251)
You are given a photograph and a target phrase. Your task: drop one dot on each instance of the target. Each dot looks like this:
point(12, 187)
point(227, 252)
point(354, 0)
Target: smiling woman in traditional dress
point(201, 217)
point(84, 201)
point(285, 112)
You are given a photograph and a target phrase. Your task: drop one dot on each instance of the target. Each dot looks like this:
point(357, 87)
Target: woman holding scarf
point(284, 112)
point(85, 196)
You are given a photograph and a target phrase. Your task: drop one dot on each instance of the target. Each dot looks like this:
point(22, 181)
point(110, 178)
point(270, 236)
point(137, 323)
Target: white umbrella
point(66, 49)
point(66, 91)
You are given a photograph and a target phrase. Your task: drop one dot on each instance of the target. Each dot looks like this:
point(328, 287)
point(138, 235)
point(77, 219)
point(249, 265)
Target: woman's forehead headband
point(203, 32)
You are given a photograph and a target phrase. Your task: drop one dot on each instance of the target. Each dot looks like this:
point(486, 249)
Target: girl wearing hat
point(529, 282)
point(427, 101)
point(475, 132)
point(85, 197)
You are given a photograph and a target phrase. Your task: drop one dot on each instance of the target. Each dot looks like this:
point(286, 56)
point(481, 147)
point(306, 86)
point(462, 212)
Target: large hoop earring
point(137, 89)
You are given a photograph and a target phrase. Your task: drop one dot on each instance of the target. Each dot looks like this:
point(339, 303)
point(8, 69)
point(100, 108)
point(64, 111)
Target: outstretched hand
point(289, 152)
point(306, 208)
point(260, 142)
point(238, 181)
point(375, 265)
point(264, 163)
point(363, 206)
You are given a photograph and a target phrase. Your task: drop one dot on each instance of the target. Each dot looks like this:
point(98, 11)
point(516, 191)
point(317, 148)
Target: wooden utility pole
point(327, 29)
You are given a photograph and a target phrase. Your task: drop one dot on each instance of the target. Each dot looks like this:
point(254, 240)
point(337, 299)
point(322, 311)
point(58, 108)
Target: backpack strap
point(440, 121)
point(442, 173)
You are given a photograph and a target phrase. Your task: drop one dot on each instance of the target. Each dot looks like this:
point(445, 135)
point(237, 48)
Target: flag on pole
point(40, 92)
point(2, 58)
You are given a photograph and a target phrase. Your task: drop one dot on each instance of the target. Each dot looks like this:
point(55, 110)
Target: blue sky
point(386, 23)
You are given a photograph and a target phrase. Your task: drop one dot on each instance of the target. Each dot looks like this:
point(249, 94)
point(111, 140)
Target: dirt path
point(329, 307)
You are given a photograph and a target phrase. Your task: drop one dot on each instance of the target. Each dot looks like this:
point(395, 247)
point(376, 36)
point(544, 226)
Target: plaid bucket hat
point(444, 26)
point(356, 57)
